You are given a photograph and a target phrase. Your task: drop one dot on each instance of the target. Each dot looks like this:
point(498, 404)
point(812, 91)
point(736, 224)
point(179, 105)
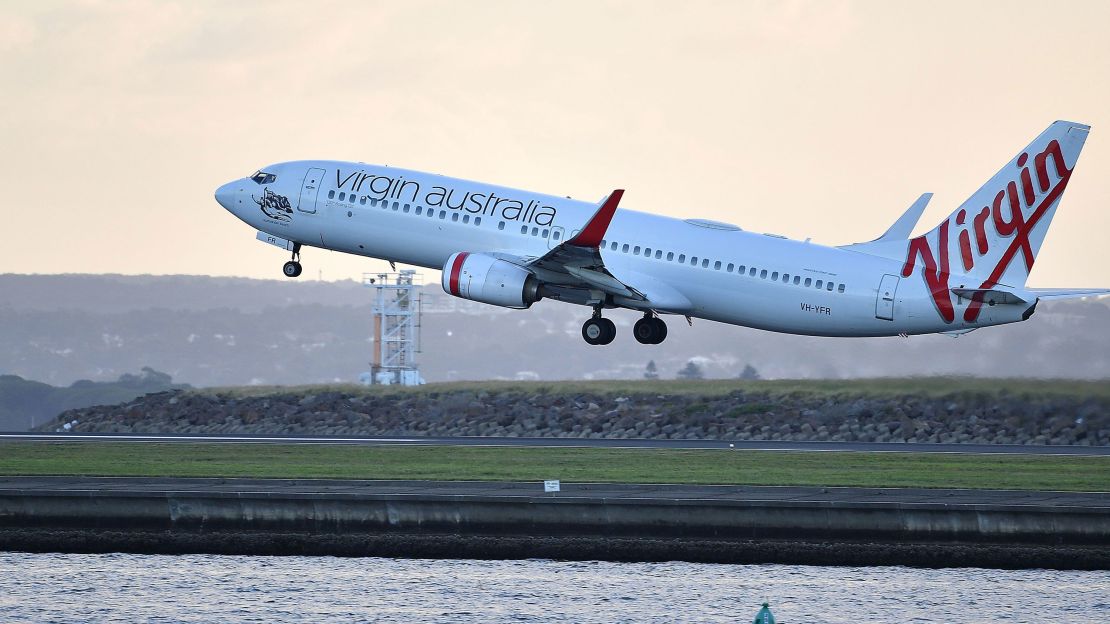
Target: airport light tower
point(395, 328)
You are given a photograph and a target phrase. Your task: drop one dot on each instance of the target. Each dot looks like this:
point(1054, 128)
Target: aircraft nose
point(225, 195)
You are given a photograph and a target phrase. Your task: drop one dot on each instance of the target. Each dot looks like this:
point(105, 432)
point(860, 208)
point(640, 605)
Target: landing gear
point(293, 267)
point(598, 330)
point(650, 329)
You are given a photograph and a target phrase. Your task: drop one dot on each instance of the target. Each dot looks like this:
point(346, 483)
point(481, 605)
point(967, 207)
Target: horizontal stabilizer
point(989, 296)
point(1055, 294)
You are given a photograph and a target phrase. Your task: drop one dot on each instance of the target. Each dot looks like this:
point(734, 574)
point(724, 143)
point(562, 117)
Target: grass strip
point(734, 467)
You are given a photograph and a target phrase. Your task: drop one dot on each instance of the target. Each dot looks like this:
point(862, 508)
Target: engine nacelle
point(483, 278)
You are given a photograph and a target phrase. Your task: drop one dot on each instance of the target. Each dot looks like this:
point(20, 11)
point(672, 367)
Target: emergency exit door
point(884, 302)
point(309, 189)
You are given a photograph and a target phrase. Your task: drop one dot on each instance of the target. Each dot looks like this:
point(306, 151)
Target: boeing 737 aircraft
point(510, 247)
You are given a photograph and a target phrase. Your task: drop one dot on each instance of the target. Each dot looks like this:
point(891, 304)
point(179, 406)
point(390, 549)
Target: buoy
point(764, 616)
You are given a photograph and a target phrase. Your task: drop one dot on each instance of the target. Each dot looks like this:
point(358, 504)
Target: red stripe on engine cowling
point(456, 270)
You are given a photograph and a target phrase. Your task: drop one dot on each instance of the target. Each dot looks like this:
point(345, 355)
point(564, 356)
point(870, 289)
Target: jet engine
point(481, 277)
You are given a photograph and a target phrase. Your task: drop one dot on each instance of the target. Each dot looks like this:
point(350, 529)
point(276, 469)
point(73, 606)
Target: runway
point(742, 445)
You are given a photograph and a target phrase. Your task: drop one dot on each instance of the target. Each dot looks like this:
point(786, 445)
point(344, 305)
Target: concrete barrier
point(962, 519)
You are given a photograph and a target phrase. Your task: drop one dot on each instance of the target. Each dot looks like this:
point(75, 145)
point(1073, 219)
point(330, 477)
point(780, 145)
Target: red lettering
point(981, 229)
point(936, 278)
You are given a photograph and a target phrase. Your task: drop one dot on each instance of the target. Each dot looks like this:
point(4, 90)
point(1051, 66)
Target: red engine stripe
point(456, 270)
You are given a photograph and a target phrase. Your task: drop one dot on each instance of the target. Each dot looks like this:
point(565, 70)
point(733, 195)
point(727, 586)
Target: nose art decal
point(274, 206)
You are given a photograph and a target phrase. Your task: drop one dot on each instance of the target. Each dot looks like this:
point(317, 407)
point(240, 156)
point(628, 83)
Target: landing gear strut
point(650, 330)
point(599, 330)
point(293, 267)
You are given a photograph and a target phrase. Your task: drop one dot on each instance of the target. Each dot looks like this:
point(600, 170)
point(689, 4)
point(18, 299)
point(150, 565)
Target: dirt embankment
point(742, 414)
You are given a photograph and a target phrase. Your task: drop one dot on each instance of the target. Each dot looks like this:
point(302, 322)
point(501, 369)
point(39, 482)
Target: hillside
point(893, 410)
point(24, 404)
point(229, 331)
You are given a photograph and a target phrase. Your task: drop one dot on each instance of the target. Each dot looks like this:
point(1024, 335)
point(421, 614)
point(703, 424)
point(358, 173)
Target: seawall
point(726, 524)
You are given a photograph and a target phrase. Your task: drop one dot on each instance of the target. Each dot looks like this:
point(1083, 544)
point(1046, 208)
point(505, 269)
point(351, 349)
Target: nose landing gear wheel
point(293, 267)
point(599, 331)
point(650, 330)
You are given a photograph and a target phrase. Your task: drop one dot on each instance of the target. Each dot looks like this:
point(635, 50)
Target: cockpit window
point(261, 177)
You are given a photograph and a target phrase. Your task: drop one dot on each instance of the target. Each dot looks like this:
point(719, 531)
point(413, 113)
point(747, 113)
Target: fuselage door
point(884, 303)
point(309, 189)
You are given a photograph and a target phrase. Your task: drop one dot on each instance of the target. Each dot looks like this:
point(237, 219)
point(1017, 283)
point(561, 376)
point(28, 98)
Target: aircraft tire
point(593, 331)
point(645, 330)
point(660, 330)
point(291, 268)
point(610, 331)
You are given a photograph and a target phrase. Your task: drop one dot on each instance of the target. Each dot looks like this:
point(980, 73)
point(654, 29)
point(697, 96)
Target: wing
point(574, 271)
point(577, 261)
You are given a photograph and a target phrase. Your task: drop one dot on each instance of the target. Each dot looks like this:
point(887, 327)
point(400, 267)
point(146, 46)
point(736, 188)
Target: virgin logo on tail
point(1006, 216)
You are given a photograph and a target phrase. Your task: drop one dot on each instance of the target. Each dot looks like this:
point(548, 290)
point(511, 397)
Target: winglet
point(595, 229)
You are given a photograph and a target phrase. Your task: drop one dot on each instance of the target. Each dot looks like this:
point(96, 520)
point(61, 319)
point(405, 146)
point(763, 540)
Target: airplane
point(511, 248)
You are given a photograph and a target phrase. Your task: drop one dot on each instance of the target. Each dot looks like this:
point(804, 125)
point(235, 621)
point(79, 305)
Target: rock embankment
point(983, 418)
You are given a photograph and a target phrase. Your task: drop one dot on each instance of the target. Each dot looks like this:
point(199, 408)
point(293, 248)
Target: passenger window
point(636, 250)
point(693, 261)
point(362, 200)
point(775, 276)
point(625, 248)
point(500, 225)
point(535, 231)
point(658, 254)
point(351, 198)
point(406, 207)
point(556, 235)
point(524, 229)
point(442, 215)
point(763, 274)
point(466, 218)
point(419, 210)
point(840, 288)
point(613, 247)
point(477, 220)
point(681, 258)
point(819, 283)
point(796, 280)
point(543, 233)
point(396, 205)
point(717, 265)
point(431, 213)
point(730, 267)
point(455, 216)
point(342, 197)
point(670, 256)
point(647, 251)
point(752, 272)
point(809, 281)
point(829, 286)
point(785, 278)
point(331, 194)
point(741, 269)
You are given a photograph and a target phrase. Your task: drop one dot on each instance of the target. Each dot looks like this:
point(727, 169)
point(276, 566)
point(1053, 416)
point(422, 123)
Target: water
point(205, 588)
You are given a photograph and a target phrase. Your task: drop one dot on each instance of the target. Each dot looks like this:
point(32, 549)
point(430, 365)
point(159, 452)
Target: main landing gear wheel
point(650, 330)
point(293, 267)
point(599, 331)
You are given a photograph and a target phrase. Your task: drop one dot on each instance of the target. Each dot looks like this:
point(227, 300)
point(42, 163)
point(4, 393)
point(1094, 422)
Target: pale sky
point(808, 119)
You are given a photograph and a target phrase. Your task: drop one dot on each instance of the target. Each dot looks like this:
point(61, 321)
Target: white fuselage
point(714, 271)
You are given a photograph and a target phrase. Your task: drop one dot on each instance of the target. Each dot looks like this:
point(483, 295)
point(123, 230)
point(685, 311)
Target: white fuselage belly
point(382, 228)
